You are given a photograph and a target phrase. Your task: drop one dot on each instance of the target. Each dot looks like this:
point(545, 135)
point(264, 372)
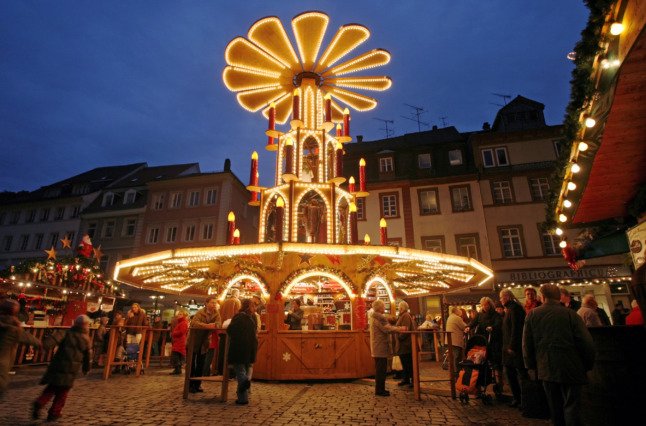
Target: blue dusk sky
point(95, 83)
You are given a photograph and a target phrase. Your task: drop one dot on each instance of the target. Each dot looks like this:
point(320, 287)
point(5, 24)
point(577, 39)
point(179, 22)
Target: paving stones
point(156, 399)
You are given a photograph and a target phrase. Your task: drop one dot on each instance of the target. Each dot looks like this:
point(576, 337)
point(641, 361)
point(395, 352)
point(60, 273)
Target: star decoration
point(51, 253)
point(305, 259)
point(67, 243)
point(287, 357)
point(98, 253)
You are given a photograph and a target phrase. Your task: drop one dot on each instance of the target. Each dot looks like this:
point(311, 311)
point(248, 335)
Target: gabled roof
point(145, 175)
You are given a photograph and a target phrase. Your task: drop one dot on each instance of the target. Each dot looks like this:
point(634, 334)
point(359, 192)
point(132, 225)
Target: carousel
point(308, 248)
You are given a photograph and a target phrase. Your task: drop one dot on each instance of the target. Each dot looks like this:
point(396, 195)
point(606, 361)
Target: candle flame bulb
point(366, 239)
point(231, 217)
point(280, 202)
point(362, 162)
point(382, 223)
point(254, 155)
point(353, 207)
point(289, 142)
point(327, 97)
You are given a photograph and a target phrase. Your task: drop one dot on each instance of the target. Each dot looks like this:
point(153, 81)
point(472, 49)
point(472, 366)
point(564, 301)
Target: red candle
point(289, 156)
point(296, 106)
point(255, 196)
point(383, 232)
point(253, 176)
point(272, 116)
point(354, 231)
point(280, 215)
point(328, 108)
point(270, 144)
point(339, 159)
point(232, 227)
point(346, 122)
point(339, 132)
point(362, 175)
point(351, 187)
point(236, 237)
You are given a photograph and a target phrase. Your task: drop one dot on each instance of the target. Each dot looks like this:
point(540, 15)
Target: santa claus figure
point(85, 247)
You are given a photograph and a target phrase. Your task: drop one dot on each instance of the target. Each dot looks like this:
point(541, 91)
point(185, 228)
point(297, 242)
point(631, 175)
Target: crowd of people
point(544, 339)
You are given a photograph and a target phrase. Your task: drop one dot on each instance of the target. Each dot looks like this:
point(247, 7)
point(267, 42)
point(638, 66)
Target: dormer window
point(130, 197)
point(455, 157)
point(386, 165)
point(424, 161)
point(108, 199)
point(492, 157)
point(80, 189)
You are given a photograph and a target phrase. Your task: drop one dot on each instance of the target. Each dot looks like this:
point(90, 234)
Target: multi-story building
point(31, 222)
point(114, 220)
point(191, 211)
point(478, 194)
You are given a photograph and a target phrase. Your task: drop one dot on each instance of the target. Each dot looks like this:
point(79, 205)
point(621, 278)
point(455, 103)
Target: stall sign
point(637, 243)
point(542, 275)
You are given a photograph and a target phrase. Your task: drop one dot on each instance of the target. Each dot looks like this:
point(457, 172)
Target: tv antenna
point(417, 114)
point(505, 98)
point(443, 120)
point(389, 132)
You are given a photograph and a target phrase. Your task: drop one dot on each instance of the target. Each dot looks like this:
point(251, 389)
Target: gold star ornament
point(67, 243)
point(51, 253)
point(98, 253)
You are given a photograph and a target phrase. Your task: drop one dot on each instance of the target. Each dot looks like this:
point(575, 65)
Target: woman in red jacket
point(178, 336)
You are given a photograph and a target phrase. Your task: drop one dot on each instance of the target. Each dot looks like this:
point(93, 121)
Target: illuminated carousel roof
point(264, 67)
point(210, 270)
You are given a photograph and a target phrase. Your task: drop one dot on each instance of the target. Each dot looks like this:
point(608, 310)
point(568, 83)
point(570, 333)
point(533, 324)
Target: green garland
point(582, 89)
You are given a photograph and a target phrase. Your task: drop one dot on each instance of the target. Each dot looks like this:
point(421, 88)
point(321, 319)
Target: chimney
point(359, 138)
point(486, 126)
point(434, 127)
point(227, 165)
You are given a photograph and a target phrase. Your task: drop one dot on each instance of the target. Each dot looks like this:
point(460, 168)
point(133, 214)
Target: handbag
point(397, 364)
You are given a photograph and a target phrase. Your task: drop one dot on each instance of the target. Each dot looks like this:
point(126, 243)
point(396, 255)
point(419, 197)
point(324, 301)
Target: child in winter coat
point(178, 336)
point(73, 354)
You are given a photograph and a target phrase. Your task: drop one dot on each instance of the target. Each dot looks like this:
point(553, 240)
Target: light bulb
point(567, 204)
point(575, 168)
point(583, 146)
point(558, 231)
point(562, 218)
point(616, 28)
point(571, 186)
point(590, 122)
point(563, 244)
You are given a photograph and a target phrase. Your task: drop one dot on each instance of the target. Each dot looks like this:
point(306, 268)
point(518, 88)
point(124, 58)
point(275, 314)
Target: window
point(539, 188)
point(492, 157)
point(502, 193)
point(31, 216)
point(550, 244)
point(153, 236)
point(108, 199)
point(76, 212)
point(38, 241)
point(511, 242)
point(60, 213)
point(158, 202)
point(468, 245)
point(171, 234)
point(434, 243)
point(207, 231)
point(108, 229)
point(455, 157)
point(428, 201)
point(361, 208)
point(53, 239)
point(15, 217)
point(189, 233)
point(130, 197)
point(24, 242)
point(80, 189)
point(6, 242)
point(176, 200)
point(211, 197)
point(386, 165)
point(558, 147)
point(461, 198)
point(70, 236)
point(91, 229)
point(389, 205)
point(103, 263)
point(129, 227)
point(194, 199)
point(44, 214)
point(424, 161)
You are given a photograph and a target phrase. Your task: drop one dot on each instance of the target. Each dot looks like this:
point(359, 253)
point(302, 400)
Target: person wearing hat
point(73, 354)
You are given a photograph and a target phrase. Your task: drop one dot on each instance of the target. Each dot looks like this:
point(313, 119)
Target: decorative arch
point(371, 282)
point(311, 158)
point(268, 215)
point(244, 275)
point(340, 277)
point(297, 204)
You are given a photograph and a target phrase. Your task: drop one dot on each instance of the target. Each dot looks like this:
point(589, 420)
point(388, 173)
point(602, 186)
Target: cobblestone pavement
point(156, 398)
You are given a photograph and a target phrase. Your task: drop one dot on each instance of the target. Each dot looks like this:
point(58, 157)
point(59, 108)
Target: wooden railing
point(28, 355)
point(223, 379)
point(112, 350)
point(161, 357)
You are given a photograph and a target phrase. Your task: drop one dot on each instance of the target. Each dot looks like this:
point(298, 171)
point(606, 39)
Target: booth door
point(288, 354)
point(318, 354)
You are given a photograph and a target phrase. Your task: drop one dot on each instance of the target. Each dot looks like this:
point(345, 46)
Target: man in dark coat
point(567, 301)
point(203, 323)
point(243, 346)
point(73, 354)
point(557, 344)
point(512, 344)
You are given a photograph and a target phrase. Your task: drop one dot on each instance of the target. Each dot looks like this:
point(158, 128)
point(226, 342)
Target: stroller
point(476, 372)
point(132, 356)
